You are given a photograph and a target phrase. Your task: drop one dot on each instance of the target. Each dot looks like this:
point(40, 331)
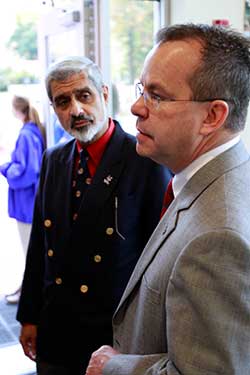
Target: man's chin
point(84, 135)
point(140, 150)
point(88, 133)
point(85, 138)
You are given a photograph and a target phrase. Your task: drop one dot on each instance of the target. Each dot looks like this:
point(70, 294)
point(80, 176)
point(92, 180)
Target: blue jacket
point(76, 274)
point(22, 172)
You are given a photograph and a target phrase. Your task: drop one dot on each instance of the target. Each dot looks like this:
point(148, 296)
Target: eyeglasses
point(152, 100)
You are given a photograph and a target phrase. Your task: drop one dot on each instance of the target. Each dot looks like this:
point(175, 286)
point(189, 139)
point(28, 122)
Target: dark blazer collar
point(103, 184)
point(106, 177)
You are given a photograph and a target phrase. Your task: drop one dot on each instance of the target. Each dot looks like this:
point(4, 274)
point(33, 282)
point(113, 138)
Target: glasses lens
point(138, 90)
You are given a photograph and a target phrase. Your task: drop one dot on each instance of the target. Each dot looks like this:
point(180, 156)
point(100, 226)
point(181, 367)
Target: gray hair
point(224, 71)
point(65, 68)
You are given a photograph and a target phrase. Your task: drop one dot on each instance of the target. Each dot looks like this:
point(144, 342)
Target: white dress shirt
point(182, 178)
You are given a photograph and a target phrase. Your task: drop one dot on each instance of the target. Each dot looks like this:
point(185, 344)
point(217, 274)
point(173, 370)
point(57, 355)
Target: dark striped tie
point(80, 183)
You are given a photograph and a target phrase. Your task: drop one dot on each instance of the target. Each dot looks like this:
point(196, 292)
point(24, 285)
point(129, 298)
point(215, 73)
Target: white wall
point(205, 11)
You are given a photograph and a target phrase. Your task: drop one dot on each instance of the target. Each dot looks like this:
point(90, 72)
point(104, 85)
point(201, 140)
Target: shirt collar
point(185, 175)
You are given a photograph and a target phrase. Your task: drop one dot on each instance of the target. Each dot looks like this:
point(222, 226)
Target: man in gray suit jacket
point(186, 308)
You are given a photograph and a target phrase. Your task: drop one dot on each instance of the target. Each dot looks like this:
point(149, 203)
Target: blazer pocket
point(152, 294)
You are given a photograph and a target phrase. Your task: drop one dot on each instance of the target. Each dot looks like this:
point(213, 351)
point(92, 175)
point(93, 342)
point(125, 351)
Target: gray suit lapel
point(162, 231)
point(192, 190)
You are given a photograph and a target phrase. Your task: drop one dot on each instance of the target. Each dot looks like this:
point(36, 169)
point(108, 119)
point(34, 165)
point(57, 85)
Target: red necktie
point(168, 197)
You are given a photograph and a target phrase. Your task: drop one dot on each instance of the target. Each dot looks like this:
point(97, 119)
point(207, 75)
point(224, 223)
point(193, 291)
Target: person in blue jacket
point(22, 172)
point(85, 241)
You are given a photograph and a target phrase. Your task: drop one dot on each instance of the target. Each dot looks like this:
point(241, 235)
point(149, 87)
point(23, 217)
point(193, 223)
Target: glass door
point(67, 28)
point(132, 29)
point(116, 34)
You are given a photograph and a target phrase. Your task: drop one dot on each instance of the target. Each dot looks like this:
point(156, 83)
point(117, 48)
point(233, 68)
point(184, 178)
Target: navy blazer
point(76, 273)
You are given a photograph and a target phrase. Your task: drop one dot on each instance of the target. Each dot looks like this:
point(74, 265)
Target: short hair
point(224, 71)
point(65, 68)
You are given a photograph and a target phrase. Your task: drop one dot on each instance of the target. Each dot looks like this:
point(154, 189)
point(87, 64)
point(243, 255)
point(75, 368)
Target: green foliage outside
point(132, 29)
point(247, 9)
point(24, 39)
point(23, 42)
point(247, 13)
point(8, 77)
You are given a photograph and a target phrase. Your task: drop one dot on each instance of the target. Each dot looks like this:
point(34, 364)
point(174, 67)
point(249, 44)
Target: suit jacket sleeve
point(34, 270)
point(207, 312)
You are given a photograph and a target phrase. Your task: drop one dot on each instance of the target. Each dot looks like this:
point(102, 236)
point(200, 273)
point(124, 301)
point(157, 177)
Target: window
point(132, 30)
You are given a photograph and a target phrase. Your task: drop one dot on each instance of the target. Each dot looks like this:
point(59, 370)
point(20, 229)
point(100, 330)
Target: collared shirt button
point(97, 258)
point(84, 288)
point(58, 281)
point(109, 231)
point(47, 223)
point(50, 253)
point(78, 193)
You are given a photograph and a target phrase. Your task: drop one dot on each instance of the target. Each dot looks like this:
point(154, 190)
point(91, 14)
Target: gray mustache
point(74, 119)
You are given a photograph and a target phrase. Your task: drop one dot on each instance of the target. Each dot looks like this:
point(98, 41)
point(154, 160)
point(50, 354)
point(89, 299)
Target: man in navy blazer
point(80, 259)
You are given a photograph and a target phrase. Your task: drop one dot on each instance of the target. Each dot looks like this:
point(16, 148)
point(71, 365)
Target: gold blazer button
point(50, 253)
point(109, 231)
point(47, 223)
point(58, 281)
point(84, 288)
point(97, 258)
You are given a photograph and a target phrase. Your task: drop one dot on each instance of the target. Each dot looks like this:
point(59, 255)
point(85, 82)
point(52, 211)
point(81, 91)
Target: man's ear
point(217, 114)
point(105, 91)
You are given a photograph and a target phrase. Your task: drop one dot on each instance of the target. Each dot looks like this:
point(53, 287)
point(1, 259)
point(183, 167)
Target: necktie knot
point(168, 197)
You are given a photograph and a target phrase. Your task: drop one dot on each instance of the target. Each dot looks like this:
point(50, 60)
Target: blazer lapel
point(63, 171)
point(191, 191)
point(106, 177)
point(165, 227)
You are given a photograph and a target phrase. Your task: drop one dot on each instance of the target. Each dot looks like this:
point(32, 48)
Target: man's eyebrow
point(153, 86)
point(60, 96)
point(85, 88)
point(159, 88)
point(75, 91)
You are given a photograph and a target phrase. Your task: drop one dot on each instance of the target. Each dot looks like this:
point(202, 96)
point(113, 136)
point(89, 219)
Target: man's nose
point(76, 107)
point(138, 108)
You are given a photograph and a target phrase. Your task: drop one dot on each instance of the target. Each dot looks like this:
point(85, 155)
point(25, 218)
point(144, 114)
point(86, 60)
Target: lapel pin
point(108, 179)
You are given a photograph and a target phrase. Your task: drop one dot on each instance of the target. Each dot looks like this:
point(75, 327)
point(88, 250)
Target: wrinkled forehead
point(72, 83)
